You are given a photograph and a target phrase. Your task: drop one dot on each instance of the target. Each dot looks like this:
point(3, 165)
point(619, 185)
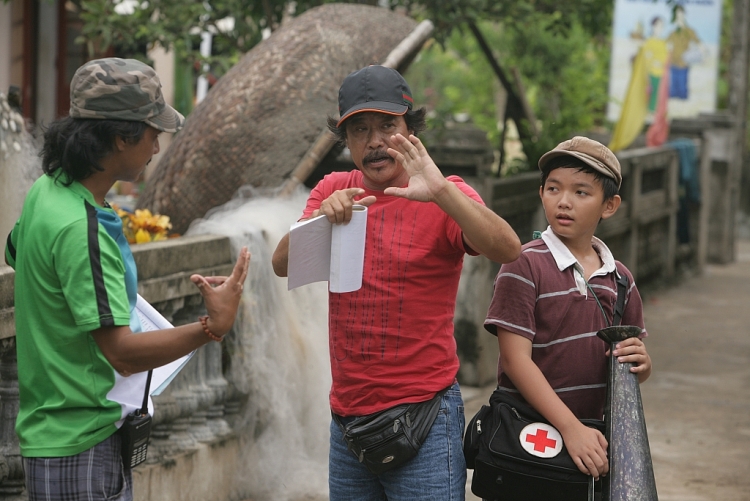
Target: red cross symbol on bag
point(541, 440)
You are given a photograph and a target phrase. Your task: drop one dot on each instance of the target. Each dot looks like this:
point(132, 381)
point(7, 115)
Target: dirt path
point(697, 401)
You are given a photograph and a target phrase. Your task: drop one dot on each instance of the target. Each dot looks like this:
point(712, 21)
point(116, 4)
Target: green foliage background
point(561, 49)
point(564, 74)
point(177, 24)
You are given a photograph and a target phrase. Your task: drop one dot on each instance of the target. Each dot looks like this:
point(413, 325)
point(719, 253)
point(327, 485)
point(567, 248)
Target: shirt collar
point(84, 193)
point(565, 259)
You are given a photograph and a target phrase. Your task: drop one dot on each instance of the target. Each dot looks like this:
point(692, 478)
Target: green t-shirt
point(74, 274)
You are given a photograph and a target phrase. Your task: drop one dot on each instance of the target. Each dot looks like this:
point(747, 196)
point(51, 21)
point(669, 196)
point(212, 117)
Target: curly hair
point(75, 146)
point(415, 122)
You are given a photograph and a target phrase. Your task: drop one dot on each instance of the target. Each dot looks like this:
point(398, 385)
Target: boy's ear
point(610, 206)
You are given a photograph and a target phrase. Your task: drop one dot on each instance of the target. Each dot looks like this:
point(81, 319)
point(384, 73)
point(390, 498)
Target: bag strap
point(622, 289)
point(347, 423)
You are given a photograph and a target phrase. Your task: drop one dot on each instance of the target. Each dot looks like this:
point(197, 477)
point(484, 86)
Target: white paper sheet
point(152, 320)
point(320, 251)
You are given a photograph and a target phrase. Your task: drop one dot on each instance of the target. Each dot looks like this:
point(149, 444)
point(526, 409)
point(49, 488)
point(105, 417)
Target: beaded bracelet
point(204, 323)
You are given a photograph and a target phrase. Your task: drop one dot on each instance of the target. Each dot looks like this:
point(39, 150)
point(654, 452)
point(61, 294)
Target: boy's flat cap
point(591, 152)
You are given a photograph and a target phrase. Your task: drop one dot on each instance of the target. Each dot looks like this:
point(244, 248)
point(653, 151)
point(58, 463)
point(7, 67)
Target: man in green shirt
point(78, 338)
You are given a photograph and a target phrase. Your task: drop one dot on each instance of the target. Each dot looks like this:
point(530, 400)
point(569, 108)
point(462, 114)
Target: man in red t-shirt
point(391, 342)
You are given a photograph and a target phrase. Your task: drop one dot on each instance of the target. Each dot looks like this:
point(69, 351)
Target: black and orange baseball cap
point(374, 88)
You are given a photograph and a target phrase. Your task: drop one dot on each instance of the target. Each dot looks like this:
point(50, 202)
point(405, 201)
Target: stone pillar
point(11, 470)
point(218, 385)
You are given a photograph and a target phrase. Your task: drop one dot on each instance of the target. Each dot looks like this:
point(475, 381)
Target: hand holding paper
point(320, 251)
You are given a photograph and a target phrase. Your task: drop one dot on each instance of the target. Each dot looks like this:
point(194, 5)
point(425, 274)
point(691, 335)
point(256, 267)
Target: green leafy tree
point(544, 39)
point(133, 27)
point(559, 47)
point(564, 74)
point(594, 16)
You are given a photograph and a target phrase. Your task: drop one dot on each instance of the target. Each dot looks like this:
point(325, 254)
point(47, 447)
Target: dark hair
point(675, 9)
point(75, 146)
point(609, 185)
point(415, 122)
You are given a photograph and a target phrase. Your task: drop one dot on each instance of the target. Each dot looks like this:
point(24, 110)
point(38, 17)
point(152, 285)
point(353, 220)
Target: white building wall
point(46, 91)
point(6, 19)
point(164, 66)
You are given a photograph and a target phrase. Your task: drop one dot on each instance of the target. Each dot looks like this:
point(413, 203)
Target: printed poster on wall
point(680, 40)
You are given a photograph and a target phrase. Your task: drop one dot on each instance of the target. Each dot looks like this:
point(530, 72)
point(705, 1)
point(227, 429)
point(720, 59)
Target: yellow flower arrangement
point(142, 226)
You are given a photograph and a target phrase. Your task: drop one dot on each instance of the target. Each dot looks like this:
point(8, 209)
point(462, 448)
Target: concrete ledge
point(7, 319)
point(164, 270)
point(7, 279)
point(162, 259)
point(178, 285)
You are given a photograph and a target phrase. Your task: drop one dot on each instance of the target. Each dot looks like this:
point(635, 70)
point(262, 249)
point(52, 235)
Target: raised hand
point(425, 179)
point(222, 294)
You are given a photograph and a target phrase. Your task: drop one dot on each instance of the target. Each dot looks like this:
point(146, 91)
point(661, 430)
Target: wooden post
point(739, 66)
point(528, 111)
point(525, 123)
point(705, 206)
point(636, 180)
point(673, 173)
point(326, 139)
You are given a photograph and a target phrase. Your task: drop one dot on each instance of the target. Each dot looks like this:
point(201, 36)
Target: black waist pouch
point(389, 438)
point(518, 456)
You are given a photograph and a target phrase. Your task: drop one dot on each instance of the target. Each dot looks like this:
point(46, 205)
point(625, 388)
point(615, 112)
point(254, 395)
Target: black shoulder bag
point(135, 431)
point(518, 456)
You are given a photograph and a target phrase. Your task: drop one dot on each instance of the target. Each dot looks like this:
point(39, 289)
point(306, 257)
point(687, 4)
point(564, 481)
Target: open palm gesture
point(425, 179)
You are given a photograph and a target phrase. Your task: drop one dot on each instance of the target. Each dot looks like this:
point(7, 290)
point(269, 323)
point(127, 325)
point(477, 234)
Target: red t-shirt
point(391, 342)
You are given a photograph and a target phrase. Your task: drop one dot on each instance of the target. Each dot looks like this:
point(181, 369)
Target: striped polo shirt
point(544, 297)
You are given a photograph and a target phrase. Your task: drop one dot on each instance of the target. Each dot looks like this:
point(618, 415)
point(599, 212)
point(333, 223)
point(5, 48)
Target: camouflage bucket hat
point(122, 89)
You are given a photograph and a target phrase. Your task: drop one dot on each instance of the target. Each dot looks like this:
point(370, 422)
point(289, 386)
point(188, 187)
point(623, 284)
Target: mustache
point(376, 156)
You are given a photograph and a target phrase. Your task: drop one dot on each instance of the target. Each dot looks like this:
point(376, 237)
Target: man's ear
point(610, 206)
point(120, 143)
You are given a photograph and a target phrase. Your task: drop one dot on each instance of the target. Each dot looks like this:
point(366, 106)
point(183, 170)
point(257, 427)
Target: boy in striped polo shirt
point(544, 311)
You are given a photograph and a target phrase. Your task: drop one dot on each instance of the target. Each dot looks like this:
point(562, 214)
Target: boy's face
point(574, 203)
